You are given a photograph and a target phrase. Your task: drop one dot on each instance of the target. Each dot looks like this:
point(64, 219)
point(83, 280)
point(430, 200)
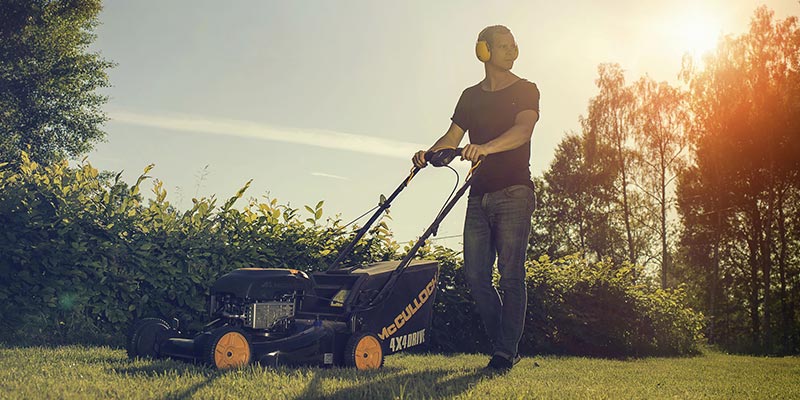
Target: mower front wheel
point(228, 347)
point(363, 351)
point(145, 336)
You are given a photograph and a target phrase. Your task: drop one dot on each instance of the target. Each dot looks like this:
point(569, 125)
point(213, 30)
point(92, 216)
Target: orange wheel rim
point(231, 351)
point(368, 353)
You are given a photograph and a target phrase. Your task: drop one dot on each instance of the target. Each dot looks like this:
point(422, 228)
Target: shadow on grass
point(160, 368)
point(189, 392)
point(394, 383)
point(388, 382)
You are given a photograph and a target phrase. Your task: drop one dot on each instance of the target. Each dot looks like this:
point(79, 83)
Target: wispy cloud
point(248, 129)
point(324, 175)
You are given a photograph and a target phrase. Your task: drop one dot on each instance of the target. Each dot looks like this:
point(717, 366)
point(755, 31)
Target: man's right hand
point(419, 159)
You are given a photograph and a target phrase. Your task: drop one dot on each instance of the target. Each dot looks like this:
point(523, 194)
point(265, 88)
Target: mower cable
point(439, 214)
point(409, 180)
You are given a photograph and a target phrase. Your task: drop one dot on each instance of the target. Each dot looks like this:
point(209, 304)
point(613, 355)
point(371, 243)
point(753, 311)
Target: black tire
point(145, 337)
point(228, 347)
point(363, 351)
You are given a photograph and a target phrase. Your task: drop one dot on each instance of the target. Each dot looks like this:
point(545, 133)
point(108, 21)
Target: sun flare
point(696, 34)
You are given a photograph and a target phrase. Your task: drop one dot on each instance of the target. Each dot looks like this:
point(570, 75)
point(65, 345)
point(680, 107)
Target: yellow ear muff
point(482, 51)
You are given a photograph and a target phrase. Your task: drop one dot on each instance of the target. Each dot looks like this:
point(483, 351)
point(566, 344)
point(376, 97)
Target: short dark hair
point(487, 34)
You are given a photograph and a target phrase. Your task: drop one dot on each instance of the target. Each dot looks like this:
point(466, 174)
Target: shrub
point(601, 310)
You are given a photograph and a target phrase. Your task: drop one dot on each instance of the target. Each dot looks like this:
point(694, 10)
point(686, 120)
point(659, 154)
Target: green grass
point(102, 372)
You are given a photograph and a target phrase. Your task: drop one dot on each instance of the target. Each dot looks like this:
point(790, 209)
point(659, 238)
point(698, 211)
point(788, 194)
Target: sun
point(696, 34)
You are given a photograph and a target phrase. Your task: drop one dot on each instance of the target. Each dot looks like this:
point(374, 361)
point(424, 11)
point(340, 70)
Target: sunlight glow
point(696, 34)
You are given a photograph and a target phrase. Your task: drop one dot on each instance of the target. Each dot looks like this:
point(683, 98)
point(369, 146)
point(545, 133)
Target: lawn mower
point(348, 315)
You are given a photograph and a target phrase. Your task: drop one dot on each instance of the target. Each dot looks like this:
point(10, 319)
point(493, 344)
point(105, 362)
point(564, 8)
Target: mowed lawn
point(103, 372)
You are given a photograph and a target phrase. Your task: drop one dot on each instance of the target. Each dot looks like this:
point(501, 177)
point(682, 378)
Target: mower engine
point(259, 299)
point(269, 315)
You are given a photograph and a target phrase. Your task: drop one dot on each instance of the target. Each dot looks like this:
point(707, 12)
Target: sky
point(328, 100)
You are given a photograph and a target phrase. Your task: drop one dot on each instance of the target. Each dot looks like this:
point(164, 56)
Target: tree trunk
point(714, 283)
point(755, 284)
point(766, 267)
point(625, 207)
point(664, 250)
point(786, 319)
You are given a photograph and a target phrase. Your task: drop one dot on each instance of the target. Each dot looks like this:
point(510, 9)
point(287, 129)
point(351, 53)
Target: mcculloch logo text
point(409, 311)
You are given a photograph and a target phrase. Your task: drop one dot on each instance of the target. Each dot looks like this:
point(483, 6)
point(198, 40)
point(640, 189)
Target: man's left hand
point(473, 152)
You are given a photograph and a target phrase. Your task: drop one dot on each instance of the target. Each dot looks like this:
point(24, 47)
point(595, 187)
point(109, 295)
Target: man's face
point(504, 51)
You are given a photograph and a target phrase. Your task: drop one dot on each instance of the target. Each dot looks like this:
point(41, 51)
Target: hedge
point(83, 255)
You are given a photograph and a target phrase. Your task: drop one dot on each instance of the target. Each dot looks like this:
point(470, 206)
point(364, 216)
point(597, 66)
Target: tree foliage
point(732, 144)
point(738, 203)
point(580, 203)
point(608, 187)
point(609, 125)
point(662, 121)
point(49, 105)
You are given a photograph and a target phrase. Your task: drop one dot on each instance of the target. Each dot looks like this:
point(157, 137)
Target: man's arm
point(516, 136)
point(451, 139)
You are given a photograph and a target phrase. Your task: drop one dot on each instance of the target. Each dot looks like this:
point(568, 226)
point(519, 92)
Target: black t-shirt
point(487, 115)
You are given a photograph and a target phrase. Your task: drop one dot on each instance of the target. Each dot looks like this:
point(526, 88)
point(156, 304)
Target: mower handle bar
point(442, 157)
point(437, 158)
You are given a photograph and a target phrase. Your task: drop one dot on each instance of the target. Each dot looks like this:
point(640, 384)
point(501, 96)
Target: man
point(499, 113)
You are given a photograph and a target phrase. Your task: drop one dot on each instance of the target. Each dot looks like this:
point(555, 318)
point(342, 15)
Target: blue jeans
point(497, 226)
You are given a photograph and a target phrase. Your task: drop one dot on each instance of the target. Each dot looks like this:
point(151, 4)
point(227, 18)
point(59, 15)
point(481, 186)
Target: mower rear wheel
point(145, 336)
point(228, 347)
point(363, 351)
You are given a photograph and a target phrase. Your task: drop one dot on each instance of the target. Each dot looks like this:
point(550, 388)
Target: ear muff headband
point(482, 51)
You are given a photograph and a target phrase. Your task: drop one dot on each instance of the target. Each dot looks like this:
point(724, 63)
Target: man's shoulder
point(472, 89)
point(525, 84)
